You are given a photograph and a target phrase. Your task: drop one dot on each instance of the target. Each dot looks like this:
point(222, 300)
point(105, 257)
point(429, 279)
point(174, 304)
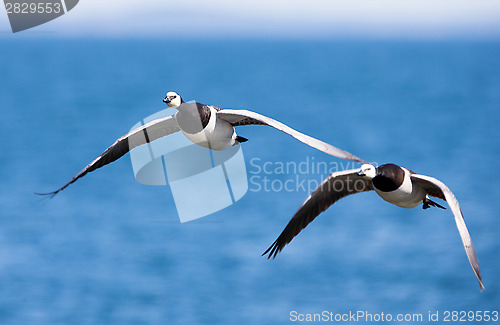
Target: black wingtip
point(50, 195)
point(273, 250)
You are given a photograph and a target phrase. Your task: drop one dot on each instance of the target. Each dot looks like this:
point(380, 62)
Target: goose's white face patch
point(173, 99)
point(368, 170)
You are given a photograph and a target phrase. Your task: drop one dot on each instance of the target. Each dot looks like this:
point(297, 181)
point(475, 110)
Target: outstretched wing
point(436, 188)
point(244, 117)
point(142, 135)
point(332, 189)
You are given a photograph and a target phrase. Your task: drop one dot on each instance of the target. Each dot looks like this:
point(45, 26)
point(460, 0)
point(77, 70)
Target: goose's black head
point(389, 177)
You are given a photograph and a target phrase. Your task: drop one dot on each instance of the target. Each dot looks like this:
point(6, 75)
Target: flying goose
point(397, 185)
point(206, 125)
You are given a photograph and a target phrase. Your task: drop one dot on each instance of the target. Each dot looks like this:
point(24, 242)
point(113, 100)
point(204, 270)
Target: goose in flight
point(394, 184)
point(206, 125)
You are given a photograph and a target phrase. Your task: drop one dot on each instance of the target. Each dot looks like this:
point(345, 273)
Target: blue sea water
point(109, 250)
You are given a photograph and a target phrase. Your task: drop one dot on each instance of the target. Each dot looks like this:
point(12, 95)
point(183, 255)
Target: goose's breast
point(407, 195)
point(214, 133)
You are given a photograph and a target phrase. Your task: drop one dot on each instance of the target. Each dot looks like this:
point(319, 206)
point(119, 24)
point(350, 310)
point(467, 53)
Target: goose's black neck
point(193, 117)
point(389, 177)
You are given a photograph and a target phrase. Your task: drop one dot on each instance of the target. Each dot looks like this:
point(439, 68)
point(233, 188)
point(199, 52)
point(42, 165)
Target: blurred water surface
point(109, 250)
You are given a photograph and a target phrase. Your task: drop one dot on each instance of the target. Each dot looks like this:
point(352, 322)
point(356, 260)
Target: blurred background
point(417, 84)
